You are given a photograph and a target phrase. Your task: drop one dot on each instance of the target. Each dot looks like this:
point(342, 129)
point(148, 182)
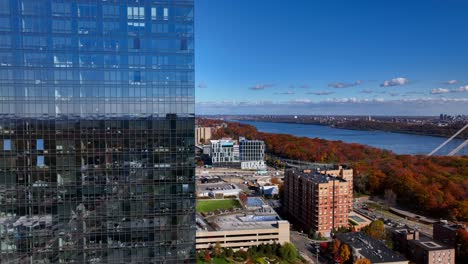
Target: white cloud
point(301, 101)
point(440, 91)
point(261, 86)
point(344, 84)
point(461, 89)
point(451, 82)
point(395, 82)
point(321, 93)
point(287, 93)
point(340, 106)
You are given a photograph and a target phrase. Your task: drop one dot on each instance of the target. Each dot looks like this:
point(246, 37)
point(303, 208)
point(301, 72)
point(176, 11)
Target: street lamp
point(317, 250)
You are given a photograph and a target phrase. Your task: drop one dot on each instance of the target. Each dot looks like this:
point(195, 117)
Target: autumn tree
point(207, 257)
point(436, 185)
point(345, 253)
point(334, 246)
point(376, 229)
point(362, 261)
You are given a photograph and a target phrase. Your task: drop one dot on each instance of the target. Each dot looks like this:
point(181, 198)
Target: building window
point(7, 144)
point(185, 188)
point(40, 144)
point(135, 12)
point(137, 76)
point(136, 43)
point(40, 161)
point(166, 13)
point(154, 13)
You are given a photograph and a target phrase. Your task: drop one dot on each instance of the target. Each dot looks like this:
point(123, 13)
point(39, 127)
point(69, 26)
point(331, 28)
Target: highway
point(395, 219)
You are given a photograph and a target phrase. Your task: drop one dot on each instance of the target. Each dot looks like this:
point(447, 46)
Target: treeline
point(435, 185)
point(425, 129)
point(260, 254)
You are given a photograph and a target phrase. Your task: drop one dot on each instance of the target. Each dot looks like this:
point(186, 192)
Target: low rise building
point(269, 190)
point(364, 246)
point(446, 232)
point(218, 190)
point(253, 165)
point(257, 225)
point(317, 202)
point(420, 248)
point(358, 221)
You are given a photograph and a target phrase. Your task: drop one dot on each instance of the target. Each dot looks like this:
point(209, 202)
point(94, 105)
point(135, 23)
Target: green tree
point(242, 254)
point(288, 252)
point(229, 252)
point(217, 250)
point(319, 236)
point(312, 234)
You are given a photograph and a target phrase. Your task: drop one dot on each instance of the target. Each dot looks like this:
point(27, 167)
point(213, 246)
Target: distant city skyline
point(335, 57)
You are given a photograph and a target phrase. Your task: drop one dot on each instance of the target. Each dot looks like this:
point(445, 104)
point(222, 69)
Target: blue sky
point(332, 57)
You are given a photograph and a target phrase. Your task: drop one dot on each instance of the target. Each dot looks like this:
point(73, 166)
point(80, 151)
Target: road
point(423, 228)
point(305, 248)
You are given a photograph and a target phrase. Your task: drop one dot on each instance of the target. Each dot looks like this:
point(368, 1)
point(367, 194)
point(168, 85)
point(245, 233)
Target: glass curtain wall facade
point(97, 131)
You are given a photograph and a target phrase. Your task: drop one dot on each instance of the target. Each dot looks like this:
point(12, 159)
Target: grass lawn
point(205, 206)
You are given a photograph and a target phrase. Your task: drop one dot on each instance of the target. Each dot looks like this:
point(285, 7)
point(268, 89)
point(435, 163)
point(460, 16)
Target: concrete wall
point(243, 238)
point(202, 133)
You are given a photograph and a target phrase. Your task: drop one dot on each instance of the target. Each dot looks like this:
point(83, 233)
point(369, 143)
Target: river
point(397, 142)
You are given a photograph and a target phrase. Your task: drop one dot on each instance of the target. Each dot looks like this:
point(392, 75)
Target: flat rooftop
point(430, 244)
point(315, 176)
point(359, 219)
point(453, 226)
point(370, 248)
point(423, 241)
point(245, 221)
point(218, 186)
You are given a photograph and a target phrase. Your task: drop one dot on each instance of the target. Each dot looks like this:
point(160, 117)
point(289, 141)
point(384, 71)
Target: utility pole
point(317, 246)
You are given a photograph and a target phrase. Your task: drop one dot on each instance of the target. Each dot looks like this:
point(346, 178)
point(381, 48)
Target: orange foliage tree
point(435, 185)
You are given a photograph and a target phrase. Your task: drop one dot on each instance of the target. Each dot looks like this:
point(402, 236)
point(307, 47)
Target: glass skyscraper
point(97, 131)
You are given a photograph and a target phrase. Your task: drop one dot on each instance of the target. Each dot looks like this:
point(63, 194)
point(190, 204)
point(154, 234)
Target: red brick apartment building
point(447, 232)
point(316, 200)
point(420, 248)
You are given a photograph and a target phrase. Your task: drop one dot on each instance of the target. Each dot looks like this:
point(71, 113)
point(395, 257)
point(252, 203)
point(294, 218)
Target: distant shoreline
point(348, 126)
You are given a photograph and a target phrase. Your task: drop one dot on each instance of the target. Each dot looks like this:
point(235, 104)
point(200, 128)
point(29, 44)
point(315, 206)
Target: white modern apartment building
point(222, 151)
point(249, 154)
point(252, 154)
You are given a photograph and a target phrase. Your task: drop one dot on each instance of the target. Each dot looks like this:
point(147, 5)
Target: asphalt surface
point(306, 247)
point(395, 219)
